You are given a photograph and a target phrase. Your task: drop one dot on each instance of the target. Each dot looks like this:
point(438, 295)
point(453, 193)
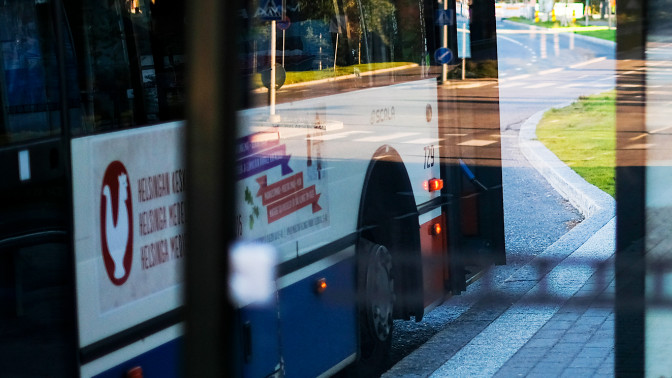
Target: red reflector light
point(433, 185)
point(135, 372)
point(321, 285)
point(436, 229)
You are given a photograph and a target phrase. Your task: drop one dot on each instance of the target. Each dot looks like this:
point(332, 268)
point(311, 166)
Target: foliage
point(317, 9)
point(482, 69)
point(378, 16)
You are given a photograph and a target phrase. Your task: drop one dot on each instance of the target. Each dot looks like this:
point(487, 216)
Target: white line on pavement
point(587, 62)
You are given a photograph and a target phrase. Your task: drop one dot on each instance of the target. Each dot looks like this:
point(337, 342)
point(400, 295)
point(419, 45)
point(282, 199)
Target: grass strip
point(608, 34)
point(583, 136)
point(602, 32)
point(294, 77)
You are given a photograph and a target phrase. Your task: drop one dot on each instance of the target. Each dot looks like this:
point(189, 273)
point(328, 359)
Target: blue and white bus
point(357, 197)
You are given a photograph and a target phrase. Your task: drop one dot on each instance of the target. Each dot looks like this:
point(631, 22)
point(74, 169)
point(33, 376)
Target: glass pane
point(131, 61)
point(30, 82)
point(350, 128)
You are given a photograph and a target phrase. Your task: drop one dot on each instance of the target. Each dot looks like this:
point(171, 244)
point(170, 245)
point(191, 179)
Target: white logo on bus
point(116, 223)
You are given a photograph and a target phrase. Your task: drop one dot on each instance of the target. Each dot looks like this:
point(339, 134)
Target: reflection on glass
point(347, 164)
point(655, 142)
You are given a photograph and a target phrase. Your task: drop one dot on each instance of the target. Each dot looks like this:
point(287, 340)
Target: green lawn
point(578, 27)
point(609, 35)
point(583, 136)
point(294, 77)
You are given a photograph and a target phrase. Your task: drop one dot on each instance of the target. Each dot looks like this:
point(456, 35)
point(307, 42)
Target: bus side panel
point(258, 341)
point(164, 361)
point(433, 244)
point(319, 330)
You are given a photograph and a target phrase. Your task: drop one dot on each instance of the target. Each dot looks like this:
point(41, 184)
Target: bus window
point(36, 309)
point(29, 80)
point(131, 61)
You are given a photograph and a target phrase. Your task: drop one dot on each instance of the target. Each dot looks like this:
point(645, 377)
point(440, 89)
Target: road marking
point(586, 85)
point(541, 85)
point(552, 70)
point(517, 77)
point(511, 40)
point(550, 31)
point(460, 85)
point(640, 136)
point(424, 141)
point(659, 130)
point(587, 62)
point(640, 146)
point(477, 143)
point(338, 135)
point(510, 85)
point(382, 138)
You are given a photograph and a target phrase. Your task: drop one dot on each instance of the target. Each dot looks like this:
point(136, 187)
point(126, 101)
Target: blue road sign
point(270, 10)
point(443, 55)
point(444, 17)
point(284, 24)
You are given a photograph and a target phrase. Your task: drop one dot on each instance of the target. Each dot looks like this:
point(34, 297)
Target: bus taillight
point(433, 185)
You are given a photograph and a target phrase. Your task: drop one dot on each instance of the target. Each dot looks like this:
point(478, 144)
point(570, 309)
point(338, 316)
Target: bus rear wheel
point(375, 284)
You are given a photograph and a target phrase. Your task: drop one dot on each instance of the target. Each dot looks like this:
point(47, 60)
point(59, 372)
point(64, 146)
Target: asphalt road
point(536, 71)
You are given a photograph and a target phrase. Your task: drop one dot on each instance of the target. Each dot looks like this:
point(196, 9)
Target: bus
point(359, 194)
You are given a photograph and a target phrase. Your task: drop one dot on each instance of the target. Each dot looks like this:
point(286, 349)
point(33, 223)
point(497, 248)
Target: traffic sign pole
point(273, 54)
point(444, 71)
point(464, 47)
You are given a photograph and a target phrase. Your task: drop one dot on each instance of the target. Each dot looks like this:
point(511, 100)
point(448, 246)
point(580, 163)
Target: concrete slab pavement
point(559, 318)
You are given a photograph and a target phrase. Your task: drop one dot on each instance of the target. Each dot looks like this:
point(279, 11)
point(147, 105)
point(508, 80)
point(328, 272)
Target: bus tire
point(375, 283)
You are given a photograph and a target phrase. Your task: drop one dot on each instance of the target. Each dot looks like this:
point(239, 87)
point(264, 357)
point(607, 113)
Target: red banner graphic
point(280, 189)
point(292, 203)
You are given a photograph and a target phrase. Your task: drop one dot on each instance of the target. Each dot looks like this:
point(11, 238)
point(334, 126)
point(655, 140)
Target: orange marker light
point(321, 285)
point(433, 185)
point(436, 229)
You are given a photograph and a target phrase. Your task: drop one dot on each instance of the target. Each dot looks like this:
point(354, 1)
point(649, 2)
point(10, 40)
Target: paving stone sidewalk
point(578, 341)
